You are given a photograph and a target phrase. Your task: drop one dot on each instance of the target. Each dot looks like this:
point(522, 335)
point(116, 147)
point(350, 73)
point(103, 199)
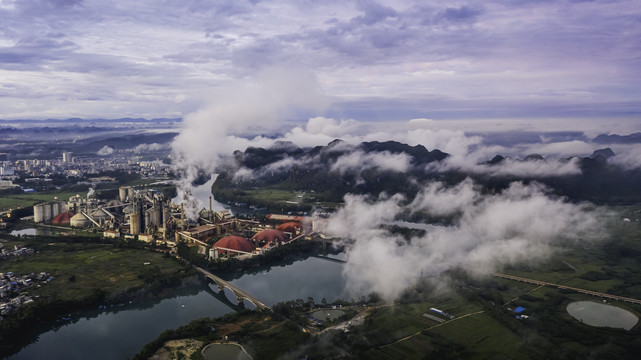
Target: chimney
point(182, 215)
point(211, 213)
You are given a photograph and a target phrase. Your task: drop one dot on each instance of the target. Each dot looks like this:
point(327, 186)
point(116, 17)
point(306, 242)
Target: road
point(564, 287)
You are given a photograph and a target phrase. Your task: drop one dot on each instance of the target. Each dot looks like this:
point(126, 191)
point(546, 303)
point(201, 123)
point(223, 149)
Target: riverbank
point(86, 275)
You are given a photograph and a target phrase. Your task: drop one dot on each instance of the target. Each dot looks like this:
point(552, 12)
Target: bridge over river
point(240, 293)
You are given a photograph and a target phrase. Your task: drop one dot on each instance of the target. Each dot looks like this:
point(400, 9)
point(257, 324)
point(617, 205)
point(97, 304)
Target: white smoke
point(518, 224)
point(144, 148)
point(105, 150)
point(252, 104)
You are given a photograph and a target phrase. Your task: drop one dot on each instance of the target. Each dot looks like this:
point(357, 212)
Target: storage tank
point(46, 216)
point(79, 221)
point(56, 208)
point(147, 218)
point(134, 223)
point(38, 213)
point(122, 194)
point(99, 215)
point(130, 193)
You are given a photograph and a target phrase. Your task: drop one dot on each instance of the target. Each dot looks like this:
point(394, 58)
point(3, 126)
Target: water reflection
point(202, 194)
point(313, 277)
point(31, 232)
point(598, 314)
point(120, 332)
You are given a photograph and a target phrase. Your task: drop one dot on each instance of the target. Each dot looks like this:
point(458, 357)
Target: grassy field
point(412, 335)
point(81, 267)
point(14, 201)
point(277, 196)
point(483, 335)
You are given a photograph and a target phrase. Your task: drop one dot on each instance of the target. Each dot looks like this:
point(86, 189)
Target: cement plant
point(145, 215)
point(331, 251)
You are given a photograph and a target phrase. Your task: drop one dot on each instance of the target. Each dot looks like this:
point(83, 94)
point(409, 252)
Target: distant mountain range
point(80, 120)
point(634, 138)
point(47, 142)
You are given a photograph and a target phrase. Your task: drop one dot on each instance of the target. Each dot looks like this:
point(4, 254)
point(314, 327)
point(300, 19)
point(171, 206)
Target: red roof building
point(290, 227)
point(232, 242)
point(269, 236)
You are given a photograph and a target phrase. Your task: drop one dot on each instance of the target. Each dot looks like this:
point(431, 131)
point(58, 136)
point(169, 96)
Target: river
point(120, 333)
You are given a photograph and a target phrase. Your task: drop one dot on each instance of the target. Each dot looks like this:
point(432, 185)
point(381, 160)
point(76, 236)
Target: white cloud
point(563, 149)
point(359, 161)
point(437, 199)
point(627, 156)
point(520, 224)
point(330, 127)
point(105, 150)
point(399, 60)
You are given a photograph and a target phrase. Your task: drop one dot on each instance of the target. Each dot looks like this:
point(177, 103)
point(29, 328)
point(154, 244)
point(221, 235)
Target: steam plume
point(251, 104)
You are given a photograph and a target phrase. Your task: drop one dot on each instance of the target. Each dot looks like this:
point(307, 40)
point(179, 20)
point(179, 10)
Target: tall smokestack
point(211, 213)
point(182, 216)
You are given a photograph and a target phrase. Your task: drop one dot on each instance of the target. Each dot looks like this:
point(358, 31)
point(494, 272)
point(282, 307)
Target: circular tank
point(134, 223)
point(79, 220)
point(99, 215)
point(38, 213)
point(122, 193)
point(46, 212)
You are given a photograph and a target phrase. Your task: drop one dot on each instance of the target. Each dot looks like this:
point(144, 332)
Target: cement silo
point(46, 216)
point(122, 194)
point(57, 207)
point(130, 193)
point(147, 221)
point(134, 223)
point(38, 213)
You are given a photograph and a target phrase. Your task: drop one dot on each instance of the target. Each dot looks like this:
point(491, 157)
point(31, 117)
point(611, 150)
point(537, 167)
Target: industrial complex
point(147, 216)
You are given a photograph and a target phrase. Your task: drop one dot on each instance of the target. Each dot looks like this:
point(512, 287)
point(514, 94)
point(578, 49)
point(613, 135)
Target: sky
point(526, 61)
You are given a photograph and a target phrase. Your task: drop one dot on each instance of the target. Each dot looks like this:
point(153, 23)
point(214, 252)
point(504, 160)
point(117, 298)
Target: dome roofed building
point(233, 242)
point(79, 220)
point(99, 214)
point(290, 227)
point(270, 236)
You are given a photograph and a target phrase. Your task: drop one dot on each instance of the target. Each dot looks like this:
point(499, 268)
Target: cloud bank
point(379, 60)
point(522, 223)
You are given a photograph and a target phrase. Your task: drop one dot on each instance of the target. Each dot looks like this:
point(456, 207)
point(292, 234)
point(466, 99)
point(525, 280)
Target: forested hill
point(392, 167)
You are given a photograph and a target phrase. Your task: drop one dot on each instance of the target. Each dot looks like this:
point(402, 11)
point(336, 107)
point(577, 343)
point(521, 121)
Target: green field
point(79, 268)
point(290, 197)
point(14, 201)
